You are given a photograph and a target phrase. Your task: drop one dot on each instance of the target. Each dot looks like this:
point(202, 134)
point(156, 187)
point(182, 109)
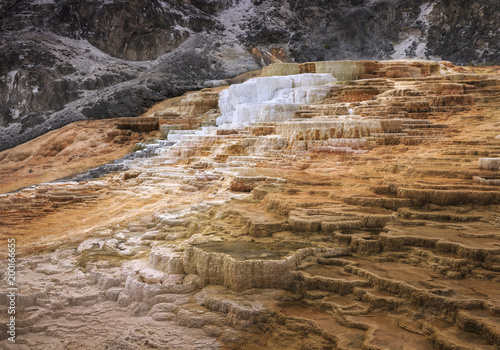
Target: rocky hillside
point(68, 60)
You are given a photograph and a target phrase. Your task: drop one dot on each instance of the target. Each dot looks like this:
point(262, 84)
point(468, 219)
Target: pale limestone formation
point(343, 70)
point(138, 124)
point(270, 99)
point(277, 69)
point(489, 163)
point(317, 129)
point(198, 103)
point(353, 70)
point(240, 274)
point(167, 260)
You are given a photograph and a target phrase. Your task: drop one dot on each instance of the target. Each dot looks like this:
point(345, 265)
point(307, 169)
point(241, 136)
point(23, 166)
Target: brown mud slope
point(371, 220)
point(68, 151)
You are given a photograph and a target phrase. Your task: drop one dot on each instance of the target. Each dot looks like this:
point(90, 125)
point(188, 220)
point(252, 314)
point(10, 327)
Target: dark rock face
point(462, 30)
point(134, 30)
point(67, 60)
point(457, 31)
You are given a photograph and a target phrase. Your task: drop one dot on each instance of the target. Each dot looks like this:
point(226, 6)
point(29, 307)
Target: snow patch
point(181, 29)
point(421, 49)
point(11, 78)
point(404, 47)
point(425, 10)
point(401, 48)
point(14, 113)
point(233, 16)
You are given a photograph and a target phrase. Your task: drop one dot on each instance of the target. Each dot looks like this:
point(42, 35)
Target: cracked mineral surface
point(324, 205)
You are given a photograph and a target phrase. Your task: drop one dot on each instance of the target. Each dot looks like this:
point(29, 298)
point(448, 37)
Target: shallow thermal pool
point(253, 250)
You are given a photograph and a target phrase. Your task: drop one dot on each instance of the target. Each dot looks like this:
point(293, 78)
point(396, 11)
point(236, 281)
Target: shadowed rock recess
point(324, 205)
point(67, 60)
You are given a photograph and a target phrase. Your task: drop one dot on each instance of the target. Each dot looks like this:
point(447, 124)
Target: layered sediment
point(365, 216)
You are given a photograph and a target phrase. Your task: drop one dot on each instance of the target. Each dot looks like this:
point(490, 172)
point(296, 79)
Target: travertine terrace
point(325, 205)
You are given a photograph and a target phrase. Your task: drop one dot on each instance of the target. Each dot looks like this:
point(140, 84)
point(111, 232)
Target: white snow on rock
point(415, 37)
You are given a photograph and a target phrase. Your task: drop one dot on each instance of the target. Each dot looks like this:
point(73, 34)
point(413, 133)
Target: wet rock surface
point(63, 61)
point(367, 220)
